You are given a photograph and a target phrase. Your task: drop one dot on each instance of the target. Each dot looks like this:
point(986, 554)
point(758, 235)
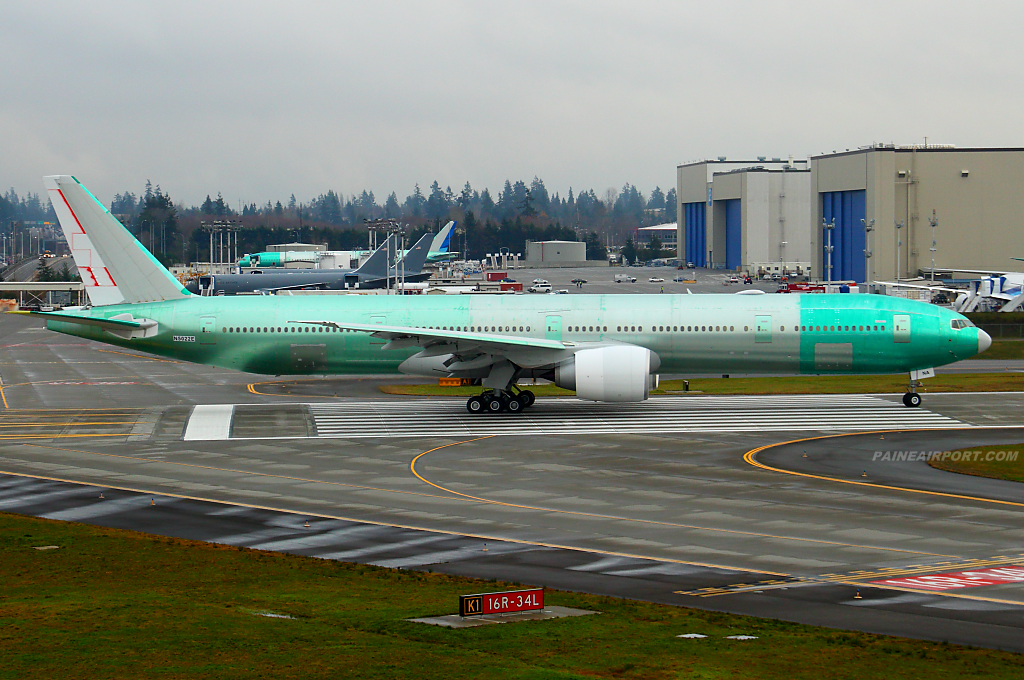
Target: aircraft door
point(207, 330)
point(901, 328)
point(762, 328)
point(554, 328)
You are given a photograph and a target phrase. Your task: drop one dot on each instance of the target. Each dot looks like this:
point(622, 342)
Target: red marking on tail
point(88, 270)
point(72, 211)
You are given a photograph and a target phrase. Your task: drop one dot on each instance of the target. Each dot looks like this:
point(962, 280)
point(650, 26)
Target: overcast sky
point(259, 100)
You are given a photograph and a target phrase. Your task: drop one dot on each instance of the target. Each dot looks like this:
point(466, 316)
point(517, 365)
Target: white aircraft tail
point(114, 266)
point(443, 239)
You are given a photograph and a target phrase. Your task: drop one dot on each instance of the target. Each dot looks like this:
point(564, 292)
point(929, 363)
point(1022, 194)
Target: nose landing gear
point(912, 399)
point(496, 401)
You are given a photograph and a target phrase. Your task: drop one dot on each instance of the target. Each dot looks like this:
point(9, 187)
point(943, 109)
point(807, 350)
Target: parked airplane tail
point(443, 239)
point(377, 264)
point(114, 266)
point(415, 257)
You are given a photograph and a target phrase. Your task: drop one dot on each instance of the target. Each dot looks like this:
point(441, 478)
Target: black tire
point(494, 405)
point(515, 405)
point(528, 398)
point(912, 399)
point(475, 405)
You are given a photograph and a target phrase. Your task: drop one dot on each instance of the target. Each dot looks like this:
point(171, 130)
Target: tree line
point(519, 212)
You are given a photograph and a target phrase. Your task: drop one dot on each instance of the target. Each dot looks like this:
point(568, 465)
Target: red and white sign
point(959, 579)
point(501, 603)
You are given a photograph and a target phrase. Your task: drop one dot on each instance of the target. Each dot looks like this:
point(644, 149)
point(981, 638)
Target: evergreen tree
point(437, 203)
point(670, 206)
point(415, 204)
point(487, 205)
point(629, 251)
point(465, 197)
point(595, 249)
point(391, 207)
point(655, 248)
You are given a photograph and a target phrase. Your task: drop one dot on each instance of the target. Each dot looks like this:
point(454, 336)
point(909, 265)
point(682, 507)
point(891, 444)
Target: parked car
point(655, 279)
point(690, 265)
point(733, 279)
point(540, 288)
point(747, 280)
point(536, 281)
point(578, 281)
point(679, 278)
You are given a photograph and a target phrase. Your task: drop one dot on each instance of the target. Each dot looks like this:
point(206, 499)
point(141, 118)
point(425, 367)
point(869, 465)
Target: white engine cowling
point(617, 373)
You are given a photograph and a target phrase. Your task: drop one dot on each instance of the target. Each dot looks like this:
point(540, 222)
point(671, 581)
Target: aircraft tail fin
point(416, 257)
point(441, 242)
point(114, 266)
point(377, 264)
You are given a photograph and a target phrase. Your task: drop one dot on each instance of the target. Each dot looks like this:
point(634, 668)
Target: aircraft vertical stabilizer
point(441, 242)
point(114, 266)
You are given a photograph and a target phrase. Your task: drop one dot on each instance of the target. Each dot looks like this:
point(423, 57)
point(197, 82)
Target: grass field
point(112, 603)
point(983, 461)
point(828, 384)
point(1003, 350)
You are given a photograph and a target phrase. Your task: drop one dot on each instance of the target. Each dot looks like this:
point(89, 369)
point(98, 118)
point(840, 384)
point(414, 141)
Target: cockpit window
point(957, 324)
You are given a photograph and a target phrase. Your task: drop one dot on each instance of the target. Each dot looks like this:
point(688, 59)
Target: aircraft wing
point(912, 285)
point(408, 336)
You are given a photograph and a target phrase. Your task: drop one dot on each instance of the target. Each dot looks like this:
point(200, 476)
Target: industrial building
point(667, 233)
point(858, 215)
point(883, 200)
point(745, 215)
point(556, 252)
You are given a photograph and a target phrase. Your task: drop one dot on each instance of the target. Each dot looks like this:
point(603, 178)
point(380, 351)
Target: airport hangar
point(882, 198)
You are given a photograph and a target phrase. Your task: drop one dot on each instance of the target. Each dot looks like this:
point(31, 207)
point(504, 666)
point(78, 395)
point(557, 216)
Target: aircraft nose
point(984, 341)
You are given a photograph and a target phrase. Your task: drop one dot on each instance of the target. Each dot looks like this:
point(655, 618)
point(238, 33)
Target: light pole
point(934, 222)
point(899, 248)
point(828, 227)
point(869, 226)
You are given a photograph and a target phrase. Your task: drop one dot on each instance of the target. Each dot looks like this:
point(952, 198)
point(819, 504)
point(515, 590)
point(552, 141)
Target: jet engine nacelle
point(617, 373)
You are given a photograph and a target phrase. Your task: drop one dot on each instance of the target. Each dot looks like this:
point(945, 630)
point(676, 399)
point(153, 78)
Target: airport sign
point(501, 603)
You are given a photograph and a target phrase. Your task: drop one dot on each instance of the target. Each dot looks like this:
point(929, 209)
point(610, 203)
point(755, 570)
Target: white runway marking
point(209, 422)
point(657, 416)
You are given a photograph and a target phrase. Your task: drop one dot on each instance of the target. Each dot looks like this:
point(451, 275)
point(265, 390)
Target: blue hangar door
point(848, 238)
point(696, 233)
point(733, 234)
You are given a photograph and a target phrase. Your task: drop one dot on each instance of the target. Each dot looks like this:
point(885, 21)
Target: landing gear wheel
point(495, 406)
point(515, 405)
point(911, 399)
point(528, 398)
point(475, 405)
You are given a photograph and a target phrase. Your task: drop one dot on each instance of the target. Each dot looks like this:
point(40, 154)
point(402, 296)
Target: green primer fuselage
point(796, 333)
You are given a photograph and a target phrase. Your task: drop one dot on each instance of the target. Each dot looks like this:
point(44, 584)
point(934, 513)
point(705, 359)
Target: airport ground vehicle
point(624, 278)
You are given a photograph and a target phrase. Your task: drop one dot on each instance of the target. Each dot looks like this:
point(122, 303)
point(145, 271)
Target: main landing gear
point(496, 401)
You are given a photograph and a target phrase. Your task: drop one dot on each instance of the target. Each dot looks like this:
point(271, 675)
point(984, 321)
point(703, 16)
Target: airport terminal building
point(877, 203)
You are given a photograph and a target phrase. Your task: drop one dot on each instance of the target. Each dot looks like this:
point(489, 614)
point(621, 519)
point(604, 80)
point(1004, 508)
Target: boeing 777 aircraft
point(606, 347)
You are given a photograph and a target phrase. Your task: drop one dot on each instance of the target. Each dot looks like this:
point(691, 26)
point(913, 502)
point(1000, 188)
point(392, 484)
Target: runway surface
point(653, 500)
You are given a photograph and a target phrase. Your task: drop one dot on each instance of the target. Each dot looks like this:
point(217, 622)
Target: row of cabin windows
point(571, 329)
point(482, 329)
point(286, 329)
